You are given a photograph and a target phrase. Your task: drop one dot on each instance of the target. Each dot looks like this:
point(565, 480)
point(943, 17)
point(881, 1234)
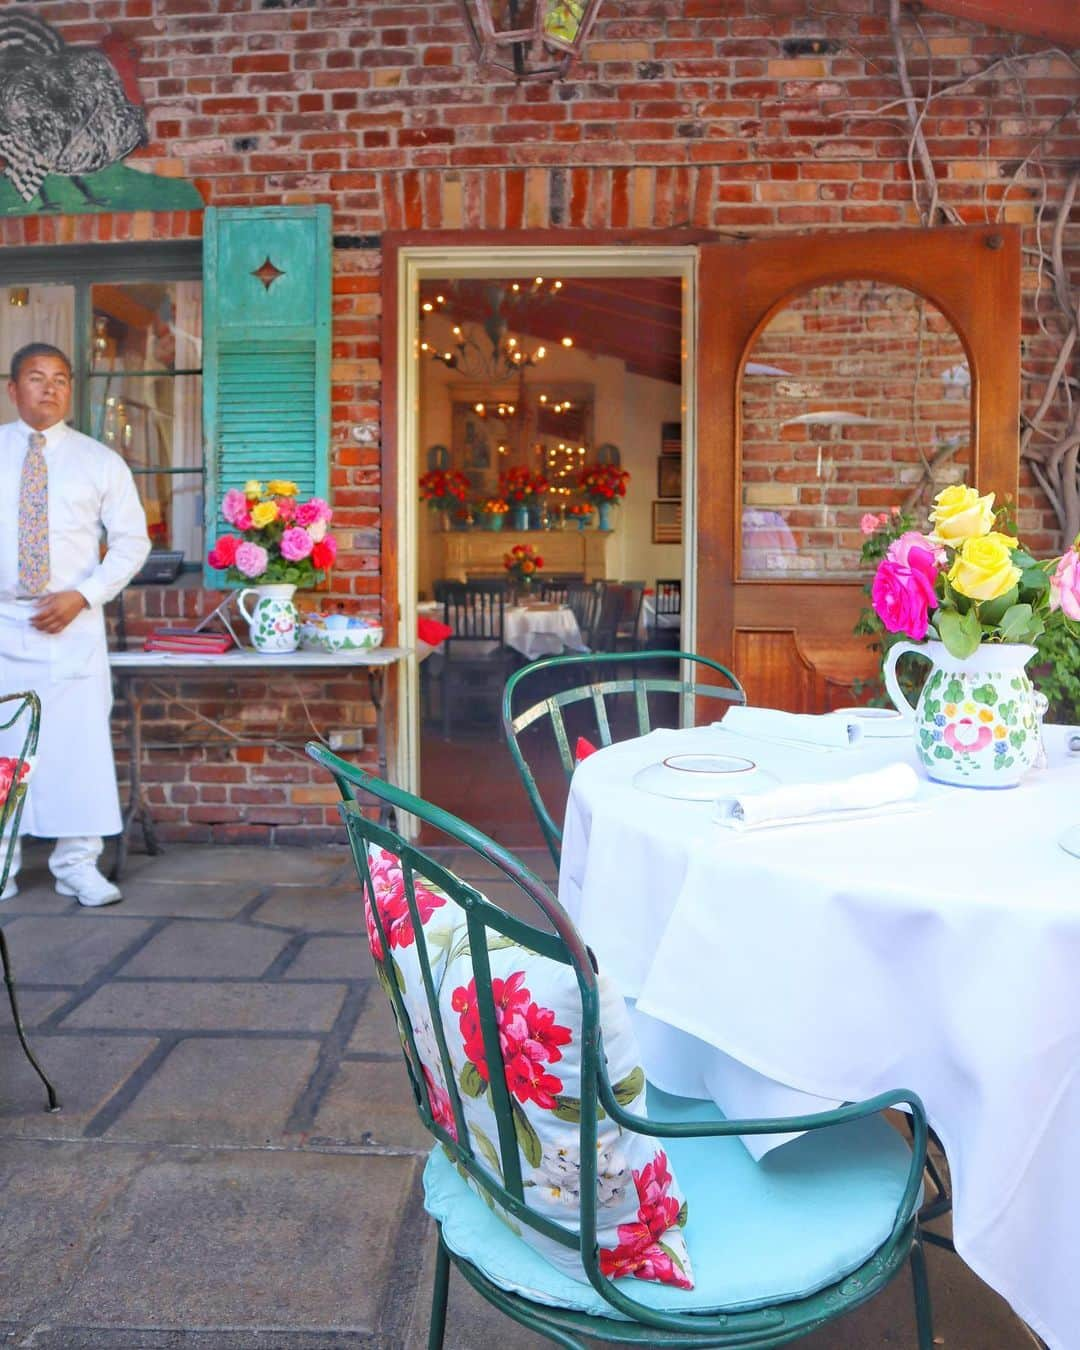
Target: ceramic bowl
point(704, 778)
point(878, 722)
point(354, 638)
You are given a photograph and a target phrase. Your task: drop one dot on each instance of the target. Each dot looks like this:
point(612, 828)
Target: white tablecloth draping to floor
point(937, 950)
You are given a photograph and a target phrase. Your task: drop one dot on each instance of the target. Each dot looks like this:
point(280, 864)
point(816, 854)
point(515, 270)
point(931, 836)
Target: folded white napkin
point(771, 724)
point(863, 794)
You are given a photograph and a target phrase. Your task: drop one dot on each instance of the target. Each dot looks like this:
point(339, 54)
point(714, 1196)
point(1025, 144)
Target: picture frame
point(671, 438)
point(667, 522)
point(669, 477)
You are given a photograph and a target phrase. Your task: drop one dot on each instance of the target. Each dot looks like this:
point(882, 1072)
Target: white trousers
point(68, 855)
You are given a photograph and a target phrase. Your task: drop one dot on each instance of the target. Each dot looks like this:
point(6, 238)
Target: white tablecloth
point(533, 632)
point(937, 950)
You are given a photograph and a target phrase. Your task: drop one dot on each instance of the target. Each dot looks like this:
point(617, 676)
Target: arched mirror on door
point(840, 376)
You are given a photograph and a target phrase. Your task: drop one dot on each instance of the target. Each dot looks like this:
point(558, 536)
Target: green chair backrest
point(12, 707)
point(604, 676)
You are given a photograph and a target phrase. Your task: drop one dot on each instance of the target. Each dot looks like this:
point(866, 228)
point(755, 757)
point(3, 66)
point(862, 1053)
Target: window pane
point(155, 422)
point(35, 314)
point(145, 326)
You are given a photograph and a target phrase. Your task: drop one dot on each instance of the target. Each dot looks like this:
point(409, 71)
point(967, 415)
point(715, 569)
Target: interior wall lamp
point(529, 39)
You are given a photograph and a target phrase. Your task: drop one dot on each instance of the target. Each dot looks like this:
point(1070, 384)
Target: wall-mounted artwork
point(669, 476)
point(667, 522)
point(69, 116)
point(671, 438)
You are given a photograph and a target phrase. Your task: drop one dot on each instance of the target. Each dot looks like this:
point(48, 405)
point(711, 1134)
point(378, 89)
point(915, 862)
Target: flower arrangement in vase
point(493, 510)
point(604, 485)
point(281, 543)
point(969, 597)
point(522, 564)
point(444, 490)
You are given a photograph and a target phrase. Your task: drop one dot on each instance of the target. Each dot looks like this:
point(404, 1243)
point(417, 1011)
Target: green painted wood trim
point(117, 188)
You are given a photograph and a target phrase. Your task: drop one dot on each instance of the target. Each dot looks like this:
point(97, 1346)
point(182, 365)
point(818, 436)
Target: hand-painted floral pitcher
point(273, 622)
point(976, 721)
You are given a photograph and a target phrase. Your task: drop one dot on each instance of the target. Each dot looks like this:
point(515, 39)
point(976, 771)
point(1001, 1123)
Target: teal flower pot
point(521, 517)
point(494, 521)
point(603, 512)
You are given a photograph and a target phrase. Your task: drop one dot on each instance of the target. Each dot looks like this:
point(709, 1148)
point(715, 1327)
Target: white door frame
point(417, 263)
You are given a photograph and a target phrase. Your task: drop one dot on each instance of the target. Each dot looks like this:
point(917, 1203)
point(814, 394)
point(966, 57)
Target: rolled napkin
point(863, 794)
point(771, 724)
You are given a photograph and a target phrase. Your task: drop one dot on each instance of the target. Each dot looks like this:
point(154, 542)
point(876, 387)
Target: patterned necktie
point(34, 519)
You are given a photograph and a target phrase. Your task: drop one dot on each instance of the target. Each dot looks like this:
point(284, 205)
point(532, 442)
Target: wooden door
point(787, 634)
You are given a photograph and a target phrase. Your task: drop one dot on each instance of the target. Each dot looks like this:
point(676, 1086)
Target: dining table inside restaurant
point(536, 628)
point(931, 944)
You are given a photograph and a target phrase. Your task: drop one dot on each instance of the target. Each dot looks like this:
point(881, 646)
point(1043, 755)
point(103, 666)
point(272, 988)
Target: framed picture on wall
point(669, 476)
point(671, 438)
point(667, 522)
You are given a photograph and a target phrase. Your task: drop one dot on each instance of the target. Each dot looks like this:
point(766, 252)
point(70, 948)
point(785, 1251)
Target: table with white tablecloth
point(535, 629)
point(936, 949)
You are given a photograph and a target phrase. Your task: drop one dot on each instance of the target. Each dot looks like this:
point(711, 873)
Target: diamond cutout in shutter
point(268, 273)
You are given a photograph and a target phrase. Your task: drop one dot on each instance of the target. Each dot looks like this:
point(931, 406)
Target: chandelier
point(529, 39)
point(483, 348)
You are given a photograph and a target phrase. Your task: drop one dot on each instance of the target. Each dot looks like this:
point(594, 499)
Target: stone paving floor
point(237, 1162)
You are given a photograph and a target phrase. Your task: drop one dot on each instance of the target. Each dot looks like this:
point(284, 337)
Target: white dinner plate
point(877, 722)
point(703, 778)
point(1070, 841)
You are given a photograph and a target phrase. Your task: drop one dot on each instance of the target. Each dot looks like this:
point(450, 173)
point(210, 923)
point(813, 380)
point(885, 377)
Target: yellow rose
point(984, 568)
point(959, 513)
point(253, 489)
point(265, 513)
point(281, 487)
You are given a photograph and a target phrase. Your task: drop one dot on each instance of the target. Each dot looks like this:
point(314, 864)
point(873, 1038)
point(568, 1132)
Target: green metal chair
point(643, 674)
point(11, 809)
point(694, 1127)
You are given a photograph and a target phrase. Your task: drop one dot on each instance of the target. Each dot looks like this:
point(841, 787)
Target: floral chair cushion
point(640, 1208)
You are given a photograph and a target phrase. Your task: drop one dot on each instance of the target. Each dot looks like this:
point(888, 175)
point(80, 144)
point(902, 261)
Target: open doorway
point(533, 386)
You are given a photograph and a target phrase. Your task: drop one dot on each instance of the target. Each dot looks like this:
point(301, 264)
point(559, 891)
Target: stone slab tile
point(34, 1005)
point(54, 1197)
point(201, 949)
point(36, 895)
point(246, 864)
point(252, 1239)
point(220, 1091)
point(338, 908)
point(68, 949)
point(189, 901)
point(165, 1006)
point(85, 1070)
point(371, 1103)
point(375, 1030)
point(332, 958)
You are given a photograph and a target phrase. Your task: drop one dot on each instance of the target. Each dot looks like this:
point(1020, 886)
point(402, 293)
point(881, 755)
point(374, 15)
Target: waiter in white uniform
point(61, 496)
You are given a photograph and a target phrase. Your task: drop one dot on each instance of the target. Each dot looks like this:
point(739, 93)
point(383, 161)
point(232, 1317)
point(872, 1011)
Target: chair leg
point(9, 980)
point(923, 1316)
point(439, 1292)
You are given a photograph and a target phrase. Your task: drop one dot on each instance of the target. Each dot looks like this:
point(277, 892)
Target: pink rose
point(234, 508)
point(251, 559)
point(900, 549)
point(307, 513)
point(295, 544)
point(1065, 585)
point(286, 508)
point(903, 593)
point(870, 522)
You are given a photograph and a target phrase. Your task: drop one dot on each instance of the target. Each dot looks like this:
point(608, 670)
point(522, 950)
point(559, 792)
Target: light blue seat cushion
point(806, 1215)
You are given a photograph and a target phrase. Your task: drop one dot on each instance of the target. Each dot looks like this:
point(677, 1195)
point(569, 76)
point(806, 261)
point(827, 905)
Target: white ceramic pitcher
point(273, 620)
point(976, 722)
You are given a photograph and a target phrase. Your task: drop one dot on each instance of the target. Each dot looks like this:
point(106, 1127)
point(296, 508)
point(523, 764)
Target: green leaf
point(681, 1220)
point(986, 693)
point(1023, 559)
point(471, 1082)
point(527, 1138)
point(399, 979)
point(568, 1109)
point(991, 611)
point(626, 1089)
point(487, 1148)
point(1016, 623)
point(961, 633)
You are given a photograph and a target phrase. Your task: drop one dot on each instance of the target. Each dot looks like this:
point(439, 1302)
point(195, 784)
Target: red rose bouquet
point(603, 483)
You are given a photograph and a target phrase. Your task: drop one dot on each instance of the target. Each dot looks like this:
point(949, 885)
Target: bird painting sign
point(69, 116)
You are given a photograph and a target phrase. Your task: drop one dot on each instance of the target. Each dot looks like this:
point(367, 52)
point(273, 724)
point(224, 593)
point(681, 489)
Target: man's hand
point(55, 612)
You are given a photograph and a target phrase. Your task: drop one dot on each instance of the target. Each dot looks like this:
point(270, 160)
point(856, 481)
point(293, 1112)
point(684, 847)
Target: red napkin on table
point(583, 749)
point(432, 631)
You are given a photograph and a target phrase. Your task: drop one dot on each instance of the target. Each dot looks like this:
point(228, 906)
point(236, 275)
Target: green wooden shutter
point(266, 352)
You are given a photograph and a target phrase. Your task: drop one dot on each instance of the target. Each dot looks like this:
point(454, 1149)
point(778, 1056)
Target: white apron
point(73, 787)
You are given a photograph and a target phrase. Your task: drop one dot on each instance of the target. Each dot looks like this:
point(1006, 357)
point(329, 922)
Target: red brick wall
point(731, 115)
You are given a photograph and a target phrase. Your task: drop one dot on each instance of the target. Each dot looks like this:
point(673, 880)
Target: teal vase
point(521, 517)
point(603, 512)
point(494, 521)
point(583, 523)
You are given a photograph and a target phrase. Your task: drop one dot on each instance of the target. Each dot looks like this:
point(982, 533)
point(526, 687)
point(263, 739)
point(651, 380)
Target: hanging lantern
point(530, 39)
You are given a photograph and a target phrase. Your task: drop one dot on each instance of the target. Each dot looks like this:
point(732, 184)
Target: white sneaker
point(11, 890)
point(88, 886)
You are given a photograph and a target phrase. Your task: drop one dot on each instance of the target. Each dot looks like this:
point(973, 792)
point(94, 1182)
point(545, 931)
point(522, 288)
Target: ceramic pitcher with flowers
point(273, 621)
point(974, 601)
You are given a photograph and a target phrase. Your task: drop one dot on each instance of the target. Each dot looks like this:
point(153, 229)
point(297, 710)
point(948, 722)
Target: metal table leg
point(137, 807)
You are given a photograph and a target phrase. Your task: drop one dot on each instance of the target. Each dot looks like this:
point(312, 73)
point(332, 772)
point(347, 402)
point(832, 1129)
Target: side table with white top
point(934, 949)
point(129, 668)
